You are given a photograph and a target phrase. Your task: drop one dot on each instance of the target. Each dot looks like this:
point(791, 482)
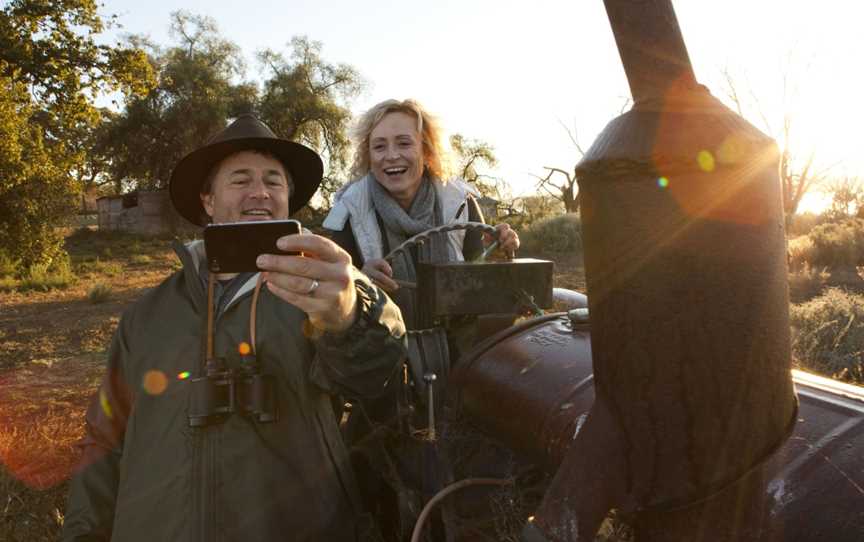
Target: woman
point(401, 188)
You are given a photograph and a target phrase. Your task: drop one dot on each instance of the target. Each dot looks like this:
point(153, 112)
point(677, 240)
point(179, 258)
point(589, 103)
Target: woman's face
point(396, 156)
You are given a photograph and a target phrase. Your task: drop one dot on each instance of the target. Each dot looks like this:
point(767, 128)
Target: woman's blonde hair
point(436, 160)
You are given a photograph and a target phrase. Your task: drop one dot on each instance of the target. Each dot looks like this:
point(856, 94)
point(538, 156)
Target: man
point(160, 461)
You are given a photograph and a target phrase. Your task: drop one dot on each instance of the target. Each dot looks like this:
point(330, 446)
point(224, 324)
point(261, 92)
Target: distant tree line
point(56, 143)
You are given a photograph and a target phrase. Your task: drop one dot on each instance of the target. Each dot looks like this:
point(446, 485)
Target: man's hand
point(320, 283)
point(381, 274)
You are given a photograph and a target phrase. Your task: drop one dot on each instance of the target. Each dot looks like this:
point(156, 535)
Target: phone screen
point(234, 247)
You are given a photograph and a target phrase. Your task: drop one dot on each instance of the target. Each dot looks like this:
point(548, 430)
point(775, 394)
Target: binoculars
point(223, 391)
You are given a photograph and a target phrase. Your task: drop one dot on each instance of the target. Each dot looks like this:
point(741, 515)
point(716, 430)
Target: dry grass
point(41, 417)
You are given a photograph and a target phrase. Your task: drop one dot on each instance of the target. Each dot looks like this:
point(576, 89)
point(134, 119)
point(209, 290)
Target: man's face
point(248, 186)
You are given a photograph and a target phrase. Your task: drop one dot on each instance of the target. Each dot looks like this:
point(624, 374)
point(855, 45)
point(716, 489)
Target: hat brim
point(302, 163)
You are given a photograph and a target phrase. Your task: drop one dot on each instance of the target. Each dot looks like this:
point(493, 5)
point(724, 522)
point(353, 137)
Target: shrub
point(800, 252)
point(828, 335)
point(838, 244)
point(140, 259)
point(112, 269)
point(8, 284)
point(8, 266)
point(806, 283)
point(46, 277)
point(99, 293)
point(562, 233)
point(797, 225)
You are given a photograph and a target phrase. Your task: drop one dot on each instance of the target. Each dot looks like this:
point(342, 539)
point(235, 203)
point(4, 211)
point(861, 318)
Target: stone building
point(148, 213)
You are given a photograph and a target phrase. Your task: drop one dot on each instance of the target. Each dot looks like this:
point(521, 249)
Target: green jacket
point(147, 475)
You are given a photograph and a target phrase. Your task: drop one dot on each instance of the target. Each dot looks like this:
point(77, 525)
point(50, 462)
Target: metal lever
point(430, 379)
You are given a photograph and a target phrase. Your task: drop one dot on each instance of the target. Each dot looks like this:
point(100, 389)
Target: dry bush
point(828, 335)
point(43, 277)
point(806, 283)
point(140, 259)
point(802, 224)
point(557, 234)
point(99, 293)
point(838, 244)
point(799, 252)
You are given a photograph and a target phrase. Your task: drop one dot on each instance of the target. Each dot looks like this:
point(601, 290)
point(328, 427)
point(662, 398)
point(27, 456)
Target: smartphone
point(233, 247)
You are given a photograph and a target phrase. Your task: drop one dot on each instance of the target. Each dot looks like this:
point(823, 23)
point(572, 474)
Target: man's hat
point(246, 133)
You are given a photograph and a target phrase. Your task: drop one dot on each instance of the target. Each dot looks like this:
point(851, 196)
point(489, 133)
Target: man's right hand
point(381, 274)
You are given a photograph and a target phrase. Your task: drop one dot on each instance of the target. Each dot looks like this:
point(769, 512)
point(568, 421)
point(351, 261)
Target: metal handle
point(423, 236)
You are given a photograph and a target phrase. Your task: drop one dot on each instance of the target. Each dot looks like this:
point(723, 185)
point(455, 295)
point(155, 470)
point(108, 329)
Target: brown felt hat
point(246, 133)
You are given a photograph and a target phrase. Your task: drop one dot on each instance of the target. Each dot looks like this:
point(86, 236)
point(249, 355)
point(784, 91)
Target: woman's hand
point(381, 274)
point(508, 239)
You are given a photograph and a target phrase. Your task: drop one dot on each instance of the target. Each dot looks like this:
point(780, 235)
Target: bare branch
point(573, 137)
point(731, 92)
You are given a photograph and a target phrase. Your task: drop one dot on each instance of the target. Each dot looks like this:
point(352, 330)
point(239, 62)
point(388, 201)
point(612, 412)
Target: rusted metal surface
point(651, 46)
point(524, 385)
point(530, 387)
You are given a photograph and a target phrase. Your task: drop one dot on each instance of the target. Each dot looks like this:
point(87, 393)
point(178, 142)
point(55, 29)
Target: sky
point(519, 75)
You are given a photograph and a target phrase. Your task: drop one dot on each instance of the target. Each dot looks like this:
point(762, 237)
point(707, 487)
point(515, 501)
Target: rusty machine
point(670, 398)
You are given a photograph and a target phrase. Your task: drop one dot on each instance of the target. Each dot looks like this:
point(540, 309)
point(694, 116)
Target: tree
point(798, 172)
point(306, 99)
point(50, 70)
point(192, 100)
point(847, 196)
point(566, 189)
point(471, 153)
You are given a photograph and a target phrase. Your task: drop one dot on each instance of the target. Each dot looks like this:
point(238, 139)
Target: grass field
point(54, 344)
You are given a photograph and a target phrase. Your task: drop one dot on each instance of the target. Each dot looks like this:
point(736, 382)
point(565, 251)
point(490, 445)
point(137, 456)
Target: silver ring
point(311, 291)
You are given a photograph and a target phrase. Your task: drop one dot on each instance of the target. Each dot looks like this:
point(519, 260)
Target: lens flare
point(183, 376)
point(154, 382)
point(662, 182)
point(106, 406)
point(706, 161)
point(244, 348)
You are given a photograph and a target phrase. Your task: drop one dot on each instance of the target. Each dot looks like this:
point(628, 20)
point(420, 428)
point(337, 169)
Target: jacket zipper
point(207, 461)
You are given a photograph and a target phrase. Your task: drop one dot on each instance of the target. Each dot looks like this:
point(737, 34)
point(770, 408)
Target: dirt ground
point(54, 345)
point(53, 348)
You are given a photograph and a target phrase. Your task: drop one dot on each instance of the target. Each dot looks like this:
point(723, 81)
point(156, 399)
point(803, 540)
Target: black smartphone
point(234, 247)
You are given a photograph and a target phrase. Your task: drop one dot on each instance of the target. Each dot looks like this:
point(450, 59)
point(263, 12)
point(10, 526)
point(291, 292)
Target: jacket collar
point(193, 257)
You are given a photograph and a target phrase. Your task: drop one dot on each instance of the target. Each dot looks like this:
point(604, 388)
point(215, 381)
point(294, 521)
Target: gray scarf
point(425, 213)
